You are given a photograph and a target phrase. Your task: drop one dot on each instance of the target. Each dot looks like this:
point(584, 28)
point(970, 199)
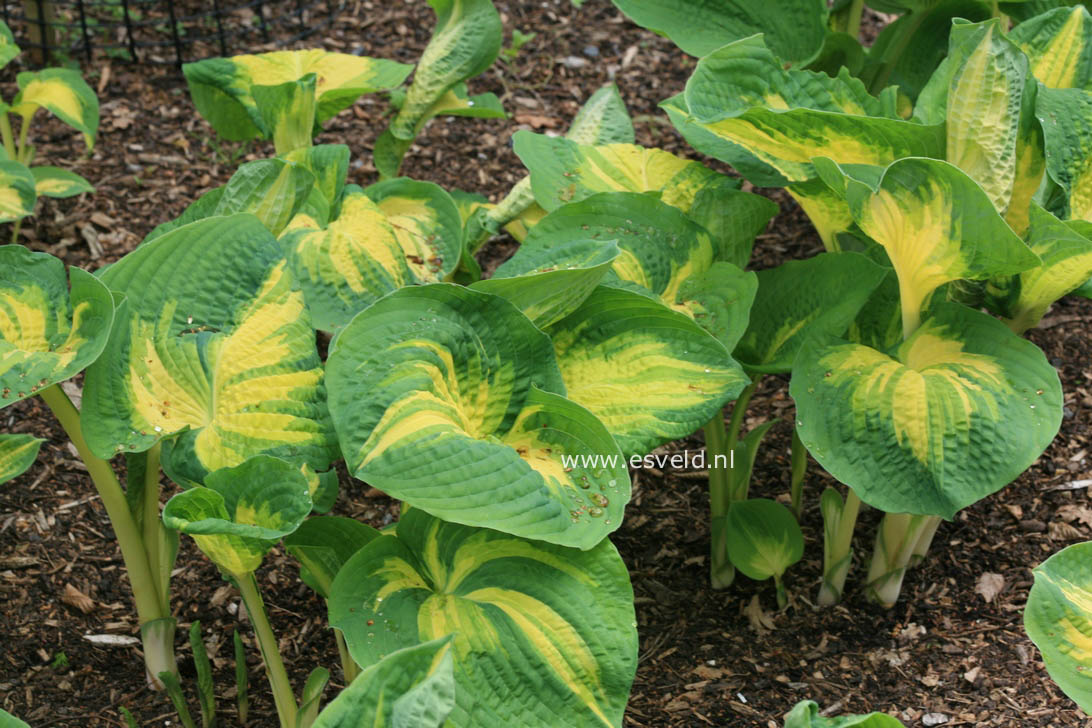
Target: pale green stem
point(271, 654)
point(925, 540)
point(24, 129)
point(349, 667)
point(837, 552)
point(895, 542)
point(851, 19)
point(798, 467)
point(782, 597)
point(8, 137)
point(158, 651)
point(154, 530)
point(721, 571)
point(15, 231)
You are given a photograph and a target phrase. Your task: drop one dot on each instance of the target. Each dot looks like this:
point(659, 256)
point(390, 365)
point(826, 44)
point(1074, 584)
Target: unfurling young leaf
point(806, 715)
point(763, 540)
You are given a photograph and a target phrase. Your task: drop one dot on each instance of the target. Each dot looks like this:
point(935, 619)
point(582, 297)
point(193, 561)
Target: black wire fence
point(159, 31)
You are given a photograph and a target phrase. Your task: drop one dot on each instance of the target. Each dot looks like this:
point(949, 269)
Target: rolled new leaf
point(241, 512)
point(465, 42)
point(927, 430)
point(818, 296)
point(223, 88)
point(17, 454)
point(413, 687)
point(214, 347)
point(543, 635)
point(1058, 619)
point(985, 83)
point(450, 399)
point(50, 328)
point(650, 374)
point(794, 29)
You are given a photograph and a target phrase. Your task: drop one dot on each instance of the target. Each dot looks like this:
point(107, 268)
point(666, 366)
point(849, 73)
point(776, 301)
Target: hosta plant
point(61, 92)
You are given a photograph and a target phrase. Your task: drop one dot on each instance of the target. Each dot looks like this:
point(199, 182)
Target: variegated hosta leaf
point(223, 88)
point(936, 224)
point(1058, 619)
point(543, 635)
point(57, 182)
point(1066, 116)
point(763, 538)
point(63, 93)
point(241, 512)
point(427, 223)
point(1059, 45)
point(17, 191)
point(49, 331)
point(982, 89)
point(665, 254)
point(272, 190)
point(930, 429)
point(806, 715)
point(563, 171)
point(465, 42)
point(17, 453)
point(323, 545)
point(650, 374)
point(329, 164)
point(547, 284)
point(458, 102)
point(213, 345)
point(287, 111)
point(794, 29)
point(742, 107)
point(801, 298)
point(444, 397)
point(1066, 257)
point(603, 119)
point(358, 258)
point(413, 687)
point(8, 49)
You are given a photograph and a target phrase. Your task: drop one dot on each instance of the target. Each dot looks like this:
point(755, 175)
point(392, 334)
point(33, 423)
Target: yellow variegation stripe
point(31, 333)
point(1059, 62)
point(935, 382)
point(52, 92)
point(415, 223)
point(827, 211)
point(983, 116)
point(235, 404)
point(631, 168)
point(332, 70)
point(17, 453)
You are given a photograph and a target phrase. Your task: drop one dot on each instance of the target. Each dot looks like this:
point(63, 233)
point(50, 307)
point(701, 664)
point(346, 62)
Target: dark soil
point(723, 658)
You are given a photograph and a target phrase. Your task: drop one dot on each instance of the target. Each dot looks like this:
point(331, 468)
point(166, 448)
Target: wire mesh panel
point(159, 31)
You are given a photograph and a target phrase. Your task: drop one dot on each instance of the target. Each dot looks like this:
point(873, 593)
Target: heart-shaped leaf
point(63, 93)
point(553, 625)
point(763, 538)
point(650, 374)
point(928, 430)
point(449, 399)
point(49, 331)
point(213, 345)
